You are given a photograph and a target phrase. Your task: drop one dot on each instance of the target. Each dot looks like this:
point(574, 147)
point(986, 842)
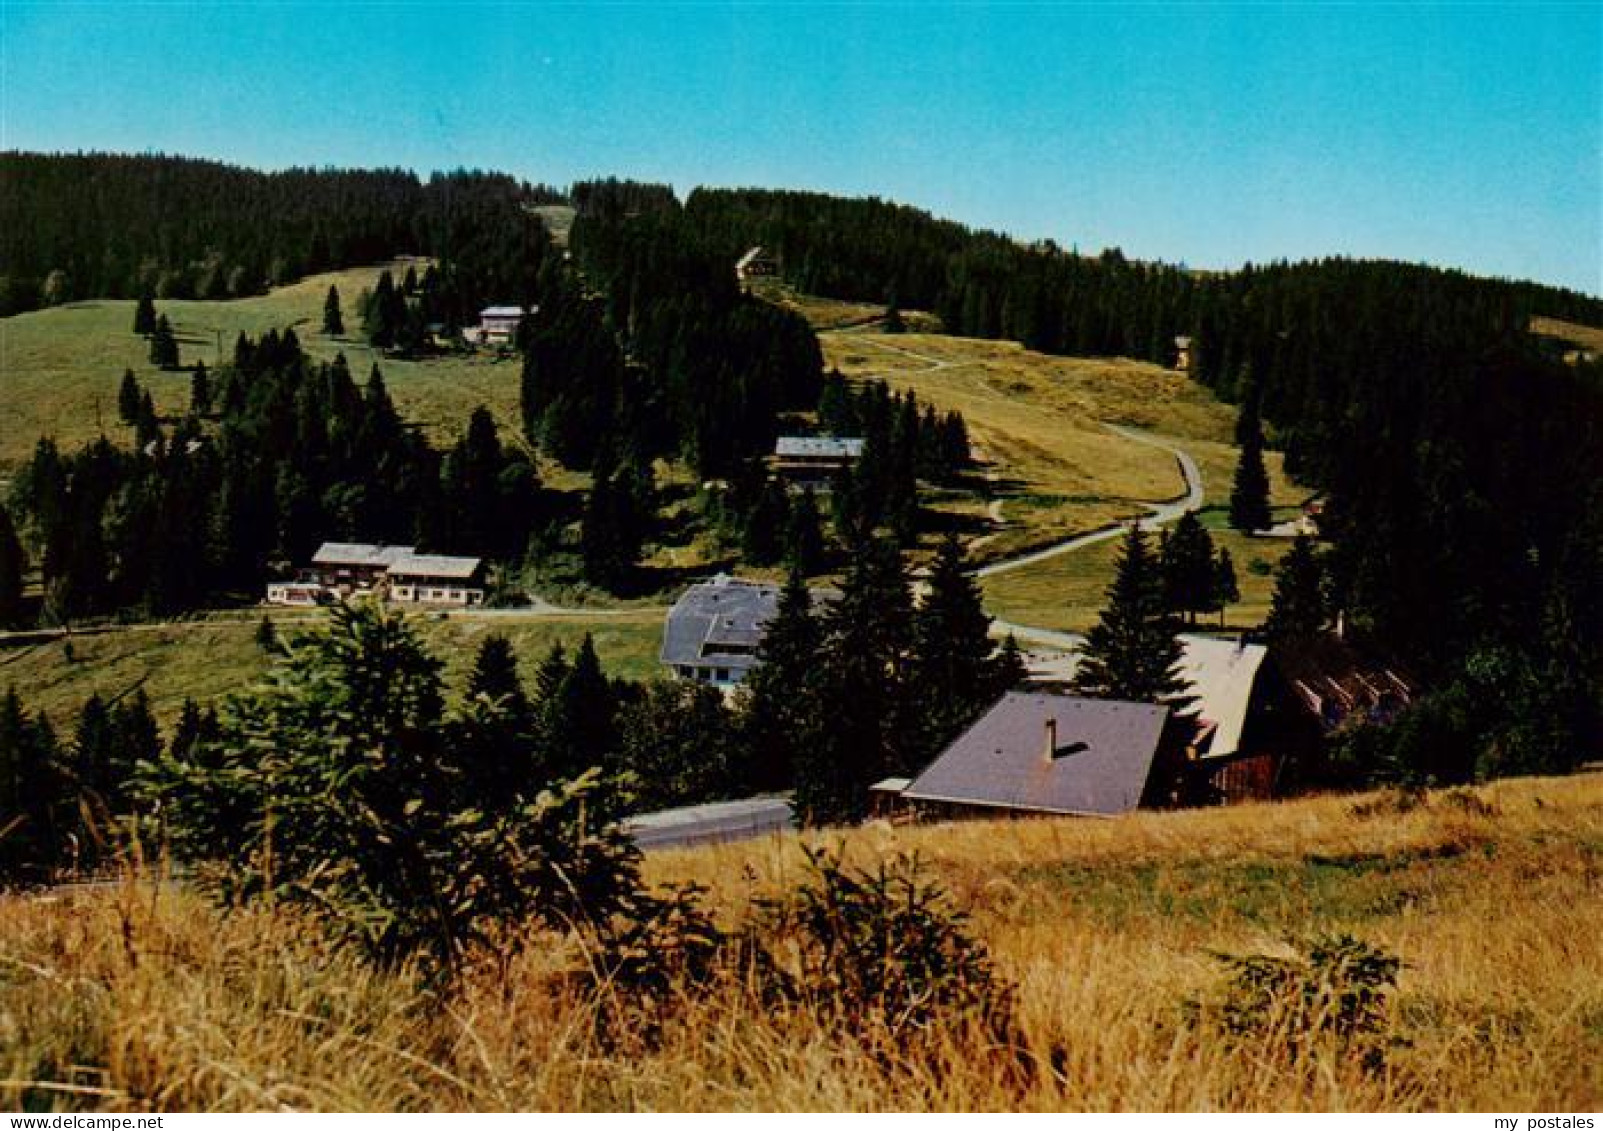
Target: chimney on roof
point(1051, 739)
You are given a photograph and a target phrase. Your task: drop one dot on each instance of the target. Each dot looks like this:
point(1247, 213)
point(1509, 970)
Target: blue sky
point(1463, 135)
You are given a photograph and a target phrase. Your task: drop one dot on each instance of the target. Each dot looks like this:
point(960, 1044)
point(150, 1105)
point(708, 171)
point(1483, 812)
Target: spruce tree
point(147, 427)
point(145, 314)
point(762, 540)
point(611, 530)
point(187, 732)
point(1298, 609)
point(495, 737)
point(135, 741)
point(1226, 589)
point(1249, 493)
point(871, 730)
point(333, 320)
point(1009, 669)
point(579, 723)
point(93, 746)
point(200, 390)
point(380, 320)
point(495, 675)
point(1185, 556)
point(1132, 652)
point(782, 711)
point(804, 536)
point(13, 565)
point(128, 398)
point(163, 345)
point(952, 673)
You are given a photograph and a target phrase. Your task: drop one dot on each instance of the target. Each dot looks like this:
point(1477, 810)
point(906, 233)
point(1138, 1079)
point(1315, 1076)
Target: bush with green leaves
point(884, 952)
point(1332, 988)
point(340, 786)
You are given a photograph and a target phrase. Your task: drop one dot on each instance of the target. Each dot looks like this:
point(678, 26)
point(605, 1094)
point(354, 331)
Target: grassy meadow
point(1068, 592)
point(60, 367)
point(1037, 421)
point(207, 658)
point(1057, 472)
point(140, 996)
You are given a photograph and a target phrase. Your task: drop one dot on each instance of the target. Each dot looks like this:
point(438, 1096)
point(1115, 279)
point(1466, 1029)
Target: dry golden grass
point(1038, 420)
point(1586, 337)
point(142, 997)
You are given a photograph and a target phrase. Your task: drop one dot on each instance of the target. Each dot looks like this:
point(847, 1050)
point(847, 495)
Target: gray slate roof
point(434, 565)
point(714, 822)
point(358, 554)
point(1105, 752)
point(834, 447)
point(501, 312)
point(723, 611)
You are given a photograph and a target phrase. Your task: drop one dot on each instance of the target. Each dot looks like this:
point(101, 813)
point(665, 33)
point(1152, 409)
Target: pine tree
point(1298, 609)
point(333, 320)
point(147, 427)
point(782, 710)
point(163, 345)
point(579, 729)
point(13, 565)
point(804, 536)
point(145, 314)
point(612, 529)
point(495, 738)
point(495, 673)
point(1226, 590)
point(135, 740)
point(33, 794)
point(93, 746)
point(128, 398)
point(952, 673)
point(762, 540)
point(1009, 670)
point(381, 321)
point(1132, 652)
point(871, 729)
point(200, 390)
point(336, 789)
point(187, 732)
point(1185, 556)
point(1249, 494)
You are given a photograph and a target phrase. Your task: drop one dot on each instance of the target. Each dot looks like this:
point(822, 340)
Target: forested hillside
point(112, 226)
point(1461, 455)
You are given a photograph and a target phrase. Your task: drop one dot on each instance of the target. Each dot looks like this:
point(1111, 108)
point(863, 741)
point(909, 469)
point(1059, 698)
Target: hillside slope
point(137, 997)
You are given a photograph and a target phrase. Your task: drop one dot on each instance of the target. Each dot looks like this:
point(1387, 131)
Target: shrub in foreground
point(343, 787)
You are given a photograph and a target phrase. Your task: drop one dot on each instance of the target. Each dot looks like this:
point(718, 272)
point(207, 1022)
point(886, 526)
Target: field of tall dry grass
point(140, 995)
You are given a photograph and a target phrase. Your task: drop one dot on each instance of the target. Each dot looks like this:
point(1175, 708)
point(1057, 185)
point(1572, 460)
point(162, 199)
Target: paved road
point(1161, 513)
